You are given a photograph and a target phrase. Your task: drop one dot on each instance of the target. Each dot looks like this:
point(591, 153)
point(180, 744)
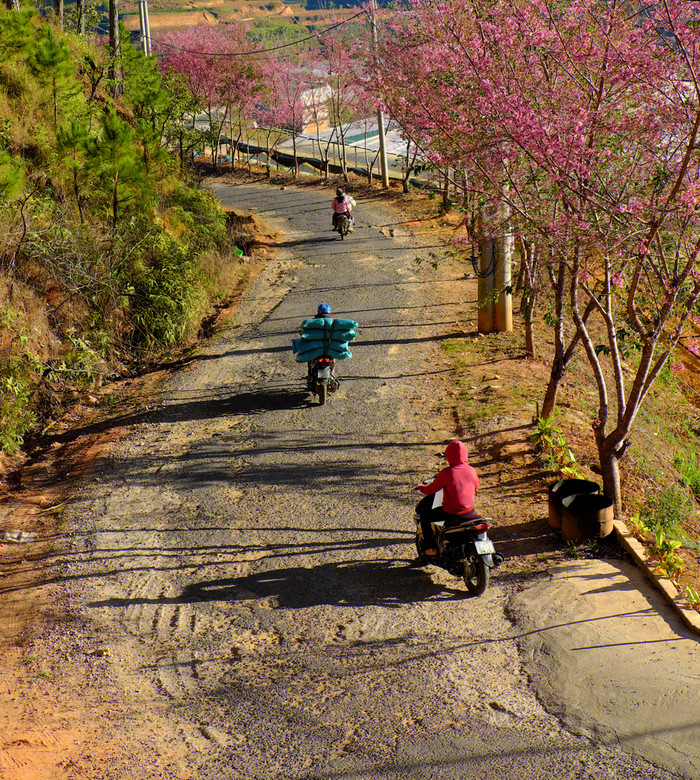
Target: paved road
point(245, 555)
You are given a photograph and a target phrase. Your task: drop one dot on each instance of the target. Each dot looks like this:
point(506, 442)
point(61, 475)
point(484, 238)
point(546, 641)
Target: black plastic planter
point(586, 516)
point(558, 491)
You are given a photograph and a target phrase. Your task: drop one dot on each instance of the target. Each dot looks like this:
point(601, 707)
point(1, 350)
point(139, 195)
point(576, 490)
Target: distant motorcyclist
point(459, 483)
point(342, 204)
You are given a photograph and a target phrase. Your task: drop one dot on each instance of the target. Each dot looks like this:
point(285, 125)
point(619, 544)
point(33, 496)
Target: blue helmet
point(324, 308)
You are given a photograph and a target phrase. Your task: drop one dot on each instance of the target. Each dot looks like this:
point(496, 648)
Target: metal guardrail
point(333, 166)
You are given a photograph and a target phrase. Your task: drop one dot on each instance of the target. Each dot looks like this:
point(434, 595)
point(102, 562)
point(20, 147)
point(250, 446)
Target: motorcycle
point(463, 547)
point(322, 380)
point(344, 224)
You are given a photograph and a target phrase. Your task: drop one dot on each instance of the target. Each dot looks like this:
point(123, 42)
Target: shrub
point(166, 295)
point(16, 416)
point(200, 222)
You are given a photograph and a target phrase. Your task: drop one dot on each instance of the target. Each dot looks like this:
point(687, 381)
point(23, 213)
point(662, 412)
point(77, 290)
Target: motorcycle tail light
point(483, 527)
point(324, 361)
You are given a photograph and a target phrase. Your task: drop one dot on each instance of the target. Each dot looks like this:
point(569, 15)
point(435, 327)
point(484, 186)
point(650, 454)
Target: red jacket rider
point(458, 482)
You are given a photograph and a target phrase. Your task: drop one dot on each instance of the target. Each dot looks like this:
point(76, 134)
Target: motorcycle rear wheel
point(321, 394)
point(476, 576)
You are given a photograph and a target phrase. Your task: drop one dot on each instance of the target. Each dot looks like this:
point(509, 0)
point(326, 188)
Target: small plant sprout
point(554, 451)
point(693, 597)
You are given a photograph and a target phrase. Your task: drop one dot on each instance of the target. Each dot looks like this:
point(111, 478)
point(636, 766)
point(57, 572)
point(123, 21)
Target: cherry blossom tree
point(273, 112)
point(345, 103)
point(292, 87)
point(221, 67)
point(582, 119)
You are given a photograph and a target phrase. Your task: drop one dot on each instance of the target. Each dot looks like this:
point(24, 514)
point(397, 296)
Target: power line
point(262, 51)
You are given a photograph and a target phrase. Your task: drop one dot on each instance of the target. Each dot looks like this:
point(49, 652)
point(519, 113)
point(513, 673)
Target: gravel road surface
point(241, 569)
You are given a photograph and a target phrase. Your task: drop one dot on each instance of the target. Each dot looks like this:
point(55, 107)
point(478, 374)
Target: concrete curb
point(689, 616)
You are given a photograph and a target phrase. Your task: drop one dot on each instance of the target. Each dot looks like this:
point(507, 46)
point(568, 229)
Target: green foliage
point(275, 31)
point(93, 16)
point(117, 169)
point(17, 376)
point(689, 473)
point(665, 551)
point(16, 416)
point(165, 294)
point(639, 528)
point(160, 100)
point(202, 221)
point(16, 33)
point(693, 596)
point(81, 360)
point(666, 509)
point(555, 454)
point(92, 213)
point(12, 176)
point(52, 63)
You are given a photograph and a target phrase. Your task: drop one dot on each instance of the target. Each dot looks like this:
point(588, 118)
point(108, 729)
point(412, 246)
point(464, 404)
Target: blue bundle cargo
point(322, 336)
point(316, 334)
point(324, 323)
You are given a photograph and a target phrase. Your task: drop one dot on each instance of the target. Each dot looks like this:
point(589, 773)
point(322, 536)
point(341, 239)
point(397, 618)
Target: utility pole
point(115, 70)
point(148, 28)
point(145, 27)
point(383, 162)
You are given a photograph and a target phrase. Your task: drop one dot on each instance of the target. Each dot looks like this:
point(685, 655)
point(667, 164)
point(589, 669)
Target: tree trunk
point(528, 319)
point(610, 470)
point(59, 11)
point(558, 364)
point(80, 11)
point(526, 282)
point(550, 396)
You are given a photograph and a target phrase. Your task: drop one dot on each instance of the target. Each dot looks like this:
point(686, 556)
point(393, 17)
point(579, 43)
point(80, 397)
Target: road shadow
point(206, 407)
point(352, 583)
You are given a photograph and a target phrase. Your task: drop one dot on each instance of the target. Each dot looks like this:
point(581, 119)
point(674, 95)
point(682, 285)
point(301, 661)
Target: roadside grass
point(486, 387)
